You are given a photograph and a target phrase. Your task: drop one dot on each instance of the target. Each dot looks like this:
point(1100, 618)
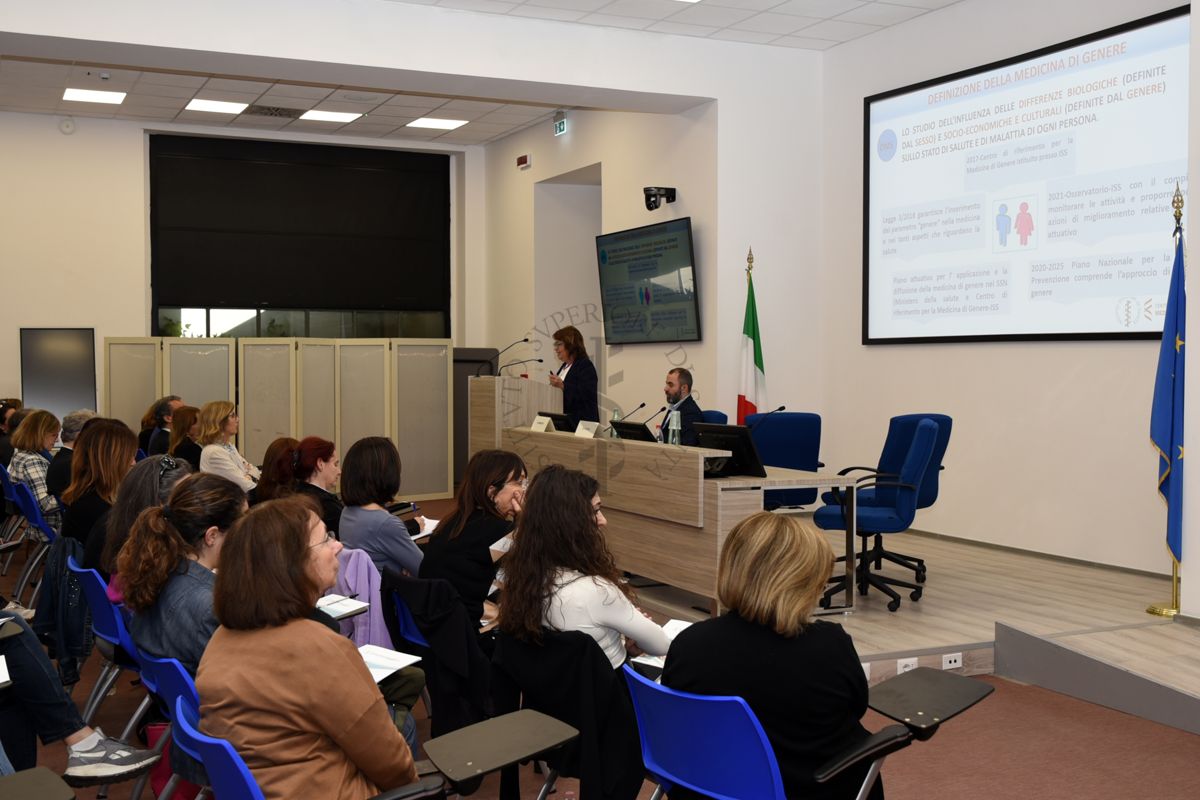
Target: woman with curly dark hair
point(561, 575)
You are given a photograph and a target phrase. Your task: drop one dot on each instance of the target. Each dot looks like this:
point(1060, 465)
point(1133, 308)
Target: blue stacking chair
point(712, 745)
point(228, 774)
point(789, 439)
point(715, 417)
point(408, 625)
point(28, 506)
point(892, 509)
point(173, 685)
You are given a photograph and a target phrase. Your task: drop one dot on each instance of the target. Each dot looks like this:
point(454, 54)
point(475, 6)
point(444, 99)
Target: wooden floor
point(1163, 651)
point(969, 588)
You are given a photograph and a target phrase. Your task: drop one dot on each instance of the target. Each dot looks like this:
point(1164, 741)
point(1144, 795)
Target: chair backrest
point(712, 745)
point(106, 619)
point(912, 471)
point(174, 684)
point(6, 483)
point(789, 439)
point(228, 774)
point(408, 625)
point(28, 506)
point(895, 449)
point(715, 417)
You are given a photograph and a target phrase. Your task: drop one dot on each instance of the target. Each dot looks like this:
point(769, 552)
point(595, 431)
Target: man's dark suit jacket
point(689, 415)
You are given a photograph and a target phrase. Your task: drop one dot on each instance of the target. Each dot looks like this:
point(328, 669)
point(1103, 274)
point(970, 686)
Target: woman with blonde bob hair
point(32, 439)
point(800, 676)
point(218, 425)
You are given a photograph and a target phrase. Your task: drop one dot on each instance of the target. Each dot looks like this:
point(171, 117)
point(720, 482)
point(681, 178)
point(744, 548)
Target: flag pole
point(1172, 608)
point(749, 261)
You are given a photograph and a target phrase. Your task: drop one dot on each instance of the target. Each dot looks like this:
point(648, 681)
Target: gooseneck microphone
point(494, 360)
point(522, 361)
point(759, 421)
point(655, 414)
point(626, 416)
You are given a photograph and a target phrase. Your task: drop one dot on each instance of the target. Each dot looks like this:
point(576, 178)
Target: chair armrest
point(425, 767)
point(874, 747)
point(848, 470)
point(431, 786)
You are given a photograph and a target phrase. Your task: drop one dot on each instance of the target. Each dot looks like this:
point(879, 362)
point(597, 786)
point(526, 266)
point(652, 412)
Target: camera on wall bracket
point(655, 195)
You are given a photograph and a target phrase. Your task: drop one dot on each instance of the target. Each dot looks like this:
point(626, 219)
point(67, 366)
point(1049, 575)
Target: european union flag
point(1166, 414)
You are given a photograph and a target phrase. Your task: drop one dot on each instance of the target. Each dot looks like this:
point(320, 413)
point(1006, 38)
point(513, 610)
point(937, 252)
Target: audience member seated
point(218, 426)
point(160, 439)
point(148, 484)
point(470, 540)
point(293, 697)
point(317, 469)
point(560, 573)
point(370, 481)
point(37, 705)
point(278, 477)
point(105, 454)
point(185, 425)
point(166, 567)
point(7, 410)
point(32, 439)
point(58, 476)
point(801, 677)
point(148, 423)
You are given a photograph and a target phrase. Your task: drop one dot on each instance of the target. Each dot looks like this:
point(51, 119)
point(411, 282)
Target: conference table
point(666, 521)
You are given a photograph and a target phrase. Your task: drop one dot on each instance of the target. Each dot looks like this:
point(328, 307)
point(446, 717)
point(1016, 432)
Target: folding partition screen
point(267, 386)
point(363, 377)
point(316, 384)
point(422, 423)
point(132, 377)
point(199, 370)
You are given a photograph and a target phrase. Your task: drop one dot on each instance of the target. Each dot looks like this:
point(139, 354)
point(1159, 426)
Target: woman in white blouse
point(560, 574)
point(218, 423)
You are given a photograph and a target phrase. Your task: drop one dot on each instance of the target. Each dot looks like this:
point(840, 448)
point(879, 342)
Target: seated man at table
point(678, 391)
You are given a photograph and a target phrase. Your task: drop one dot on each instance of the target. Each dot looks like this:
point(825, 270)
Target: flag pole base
point(1162, 610)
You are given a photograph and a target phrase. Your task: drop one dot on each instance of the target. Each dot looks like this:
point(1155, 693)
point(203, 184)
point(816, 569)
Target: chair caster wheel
point(893, 605)
point(916, 595)
point(920, 576)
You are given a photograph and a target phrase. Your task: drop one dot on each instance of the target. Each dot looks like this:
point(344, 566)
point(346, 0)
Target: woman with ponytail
point(167, 567)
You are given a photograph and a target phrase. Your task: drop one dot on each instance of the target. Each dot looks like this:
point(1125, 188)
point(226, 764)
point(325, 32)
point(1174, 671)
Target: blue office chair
point(892, 510)
point(31, 512)
point(895, 447)
point(787, 439)
point(715, 417)
point(716, 745)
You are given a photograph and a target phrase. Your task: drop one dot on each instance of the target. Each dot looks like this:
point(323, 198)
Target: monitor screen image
point(648, 284)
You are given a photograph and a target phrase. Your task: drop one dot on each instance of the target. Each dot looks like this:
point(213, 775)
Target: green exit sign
point(560, 127)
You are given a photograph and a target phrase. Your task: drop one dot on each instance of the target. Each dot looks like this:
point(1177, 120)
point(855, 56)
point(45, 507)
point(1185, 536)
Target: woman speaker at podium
point(576, 376)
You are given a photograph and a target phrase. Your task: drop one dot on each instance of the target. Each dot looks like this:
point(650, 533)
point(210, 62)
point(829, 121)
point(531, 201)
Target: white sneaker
point(109, 761)
point(21, 611)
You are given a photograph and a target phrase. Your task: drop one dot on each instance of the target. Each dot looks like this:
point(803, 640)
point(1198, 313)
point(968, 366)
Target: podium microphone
point(522, 361)
point(759, 421)
point(655, 414)
point(627, 416)
point(496, 358)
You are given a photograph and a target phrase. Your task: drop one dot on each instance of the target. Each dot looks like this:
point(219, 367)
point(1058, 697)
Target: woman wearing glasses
point(293, 696)
point(473, 536)
point(218, 426)
point(561, 575)
point(167, 567)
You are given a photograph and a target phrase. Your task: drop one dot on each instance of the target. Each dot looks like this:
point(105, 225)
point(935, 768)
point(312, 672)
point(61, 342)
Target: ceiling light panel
point(316, 115)
point(94, 96)
point(216, 106)
point(437, 124)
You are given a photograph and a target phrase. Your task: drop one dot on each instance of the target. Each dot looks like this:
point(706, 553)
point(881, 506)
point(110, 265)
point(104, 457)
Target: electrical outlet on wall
point(952, 661)
point(905, 665)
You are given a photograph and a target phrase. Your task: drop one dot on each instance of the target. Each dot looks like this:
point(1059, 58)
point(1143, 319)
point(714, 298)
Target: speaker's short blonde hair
point(773, 570)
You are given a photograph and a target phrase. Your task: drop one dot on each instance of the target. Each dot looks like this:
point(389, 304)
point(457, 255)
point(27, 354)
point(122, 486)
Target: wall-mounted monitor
point(648, 284)
point(1029, 198)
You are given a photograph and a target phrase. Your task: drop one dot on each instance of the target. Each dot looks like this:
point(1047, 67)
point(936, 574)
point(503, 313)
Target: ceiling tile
point(538, 12)
point(414, 101)
point(491, 129)
point(376, 124)
point(284, 101)
point(42, 102)
point(204, 117)
point(500, 118)
point(611, 21)
point(313, 126)
point(571, 5)
point(172, 79)
point(261, 123)
point(930, 4)
point(750, 37)
point(642, 9)
point(817, 8)
point(840, 31)
point(300, 92)
point(351, 108)
point(711, 15)
point(138, 99)
point(681, 29)
point(415, 2)
point(360, 96)
point(420, 134)
point(91, 111)
point(147, 112)
point(34, 73)
point(880, 14)
point(777, 24)
point(227, 97)
point(478, 107)
point(240, 87)
point(163, 90)
point(749, 5)
point(803, 43)
point(89, 77)
point(491, 6)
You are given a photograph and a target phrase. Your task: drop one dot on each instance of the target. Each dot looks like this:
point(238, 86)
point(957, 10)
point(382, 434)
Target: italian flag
point(752, 394)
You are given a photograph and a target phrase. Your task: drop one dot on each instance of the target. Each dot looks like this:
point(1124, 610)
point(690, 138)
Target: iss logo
point(886, 146)
point(1132, 312)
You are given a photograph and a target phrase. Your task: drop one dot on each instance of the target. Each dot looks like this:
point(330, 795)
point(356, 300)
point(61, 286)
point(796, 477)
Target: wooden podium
point(498, 402)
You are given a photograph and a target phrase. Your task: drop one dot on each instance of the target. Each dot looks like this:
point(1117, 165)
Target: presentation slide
point(648, 284)
point(1032, 198)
